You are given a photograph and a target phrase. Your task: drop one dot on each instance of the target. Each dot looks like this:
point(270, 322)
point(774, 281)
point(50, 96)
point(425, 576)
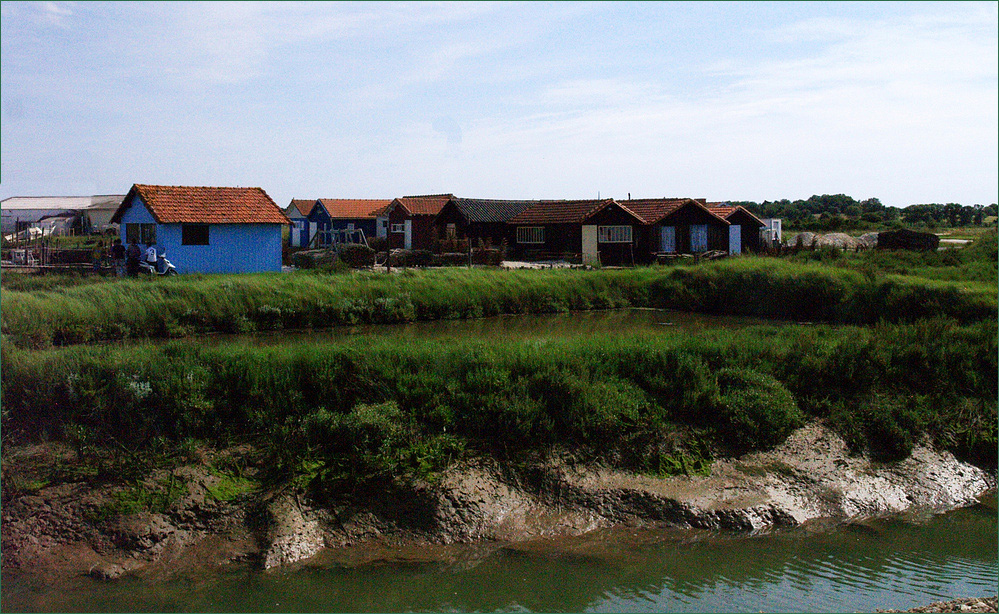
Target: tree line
point(842, 212)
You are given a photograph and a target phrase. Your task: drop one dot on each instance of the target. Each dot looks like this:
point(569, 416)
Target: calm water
point(511, 327)
point(854, 568)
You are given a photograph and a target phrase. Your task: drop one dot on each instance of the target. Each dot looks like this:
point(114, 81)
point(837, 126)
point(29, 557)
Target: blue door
point(699, 238)
point(735, 239)
point(667, 239)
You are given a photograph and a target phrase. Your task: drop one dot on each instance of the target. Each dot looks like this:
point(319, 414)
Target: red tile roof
point(653, 210)
point(352, 208)
point(429, 204)
point(304, 206)
point(722, 211)
point(726, 212)
point(564, 211)
point(171, 204)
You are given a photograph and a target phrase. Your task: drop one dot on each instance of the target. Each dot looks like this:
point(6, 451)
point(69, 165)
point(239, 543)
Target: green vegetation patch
point(860, 293)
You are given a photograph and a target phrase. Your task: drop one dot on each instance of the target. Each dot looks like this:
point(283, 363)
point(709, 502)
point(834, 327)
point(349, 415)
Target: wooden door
point(667, 239)
point(590, 251)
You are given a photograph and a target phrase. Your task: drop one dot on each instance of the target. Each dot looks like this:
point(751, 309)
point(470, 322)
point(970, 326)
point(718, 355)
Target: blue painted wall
point(232, 248)
point(299, 235)
point(365, 224)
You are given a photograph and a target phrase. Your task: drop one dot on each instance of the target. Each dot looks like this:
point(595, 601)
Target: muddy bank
point(811, 478)
point(986, 604)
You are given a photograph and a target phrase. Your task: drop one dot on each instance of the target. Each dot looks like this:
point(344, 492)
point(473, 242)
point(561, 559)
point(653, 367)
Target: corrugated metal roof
point(354, 208)
point(206, 205)
point(108, 201)
point(482, 210)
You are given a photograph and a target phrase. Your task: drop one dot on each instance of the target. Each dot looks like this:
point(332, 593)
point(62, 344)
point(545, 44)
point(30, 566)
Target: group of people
point(126, 259)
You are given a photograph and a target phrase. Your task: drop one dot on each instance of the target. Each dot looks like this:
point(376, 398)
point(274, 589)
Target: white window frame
point(397, 228)
point(614, 234)
point(531, 235)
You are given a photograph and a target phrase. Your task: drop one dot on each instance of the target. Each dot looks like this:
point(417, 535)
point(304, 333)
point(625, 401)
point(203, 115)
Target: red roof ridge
point(171, 204)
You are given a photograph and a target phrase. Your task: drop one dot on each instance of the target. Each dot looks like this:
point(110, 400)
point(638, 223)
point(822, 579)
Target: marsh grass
point(191, 305)
point(369, 411)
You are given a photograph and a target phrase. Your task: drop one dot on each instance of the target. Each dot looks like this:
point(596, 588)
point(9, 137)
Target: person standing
point(118, 257)
point(132, 255)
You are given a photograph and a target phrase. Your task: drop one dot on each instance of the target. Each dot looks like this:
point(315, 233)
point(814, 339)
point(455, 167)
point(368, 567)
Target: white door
point(698, 238)
point(667, 239)
point(408, 229)
point(312, 230)
point(590, 253)
point(735, 239)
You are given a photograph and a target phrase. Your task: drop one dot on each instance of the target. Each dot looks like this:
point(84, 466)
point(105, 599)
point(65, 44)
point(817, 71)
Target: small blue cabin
point(302, 229)
point(203, 229)
point(367, 214)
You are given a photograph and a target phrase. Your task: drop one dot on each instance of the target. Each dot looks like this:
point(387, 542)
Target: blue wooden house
point(357, 214)
point(311, 224)
point(205, 230)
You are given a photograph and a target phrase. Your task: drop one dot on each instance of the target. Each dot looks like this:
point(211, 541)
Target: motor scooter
point(162, 266)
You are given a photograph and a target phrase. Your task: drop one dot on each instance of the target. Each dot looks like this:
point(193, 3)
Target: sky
point(725, 101)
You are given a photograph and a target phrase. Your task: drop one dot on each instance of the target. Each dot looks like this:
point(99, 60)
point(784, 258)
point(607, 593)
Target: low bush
point(356, 255)
point(755, 411)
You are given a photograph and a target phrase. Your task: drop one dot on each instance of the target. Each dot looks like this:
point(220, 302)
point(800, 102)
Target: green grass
point(189, 305)
point(915, 355)
point(371, 412)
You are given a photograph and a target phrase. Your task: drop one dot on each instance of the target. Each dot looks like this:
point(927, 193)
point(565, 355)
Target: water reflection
point(508, 327)
point(883, 564)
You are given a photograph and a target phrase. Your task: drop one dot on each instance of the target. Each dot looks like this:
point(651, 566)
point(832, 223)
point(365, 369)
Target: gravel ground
point(984, 604)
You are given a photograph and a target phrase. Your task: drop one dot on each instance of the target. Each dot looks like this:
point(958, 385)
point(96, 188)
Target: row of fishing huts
point(230, 230)
point(607, 231)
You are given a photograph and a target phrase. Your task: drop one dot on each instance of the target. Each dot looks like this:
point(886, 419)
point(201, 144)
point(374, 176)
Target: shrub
point(755, 411)
point(450, 259)
point(891, 425)
point(356, 255)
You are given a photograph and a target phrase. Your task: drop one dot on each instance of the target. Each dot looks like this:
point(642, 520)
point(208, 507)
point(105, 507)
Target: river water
point(895, 563)
point(505, 327)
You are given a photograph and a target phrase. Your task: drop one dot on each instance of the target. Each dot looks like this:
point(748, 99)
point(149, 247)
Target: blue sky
point(730, 101)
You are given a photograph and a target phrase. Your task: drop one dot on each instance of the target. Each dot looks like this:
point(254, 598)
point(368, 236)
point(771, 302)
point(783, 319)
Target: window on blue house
point(140, 233)
point(194, 234)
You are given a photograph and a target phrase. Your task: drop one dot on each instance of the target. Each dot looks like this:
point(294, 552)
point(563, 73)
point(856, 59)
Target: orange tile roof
point(429, 204)
point(564, 211)
point(351, 208)
point(304, 206)
point(722, 211)
point(170, 204)
point(726, 212)
point(651, 210)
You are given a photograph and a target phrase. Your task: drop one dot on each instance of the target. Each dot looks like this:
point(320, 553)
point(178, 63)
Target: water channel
point(893, 563)
point(890, 563)
point(509, 327)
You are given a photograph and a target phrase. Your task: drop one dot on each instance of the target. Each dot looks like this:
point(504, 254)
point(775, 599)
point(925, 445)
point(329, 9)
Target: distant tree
point(952, 211)
point(871, 205)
